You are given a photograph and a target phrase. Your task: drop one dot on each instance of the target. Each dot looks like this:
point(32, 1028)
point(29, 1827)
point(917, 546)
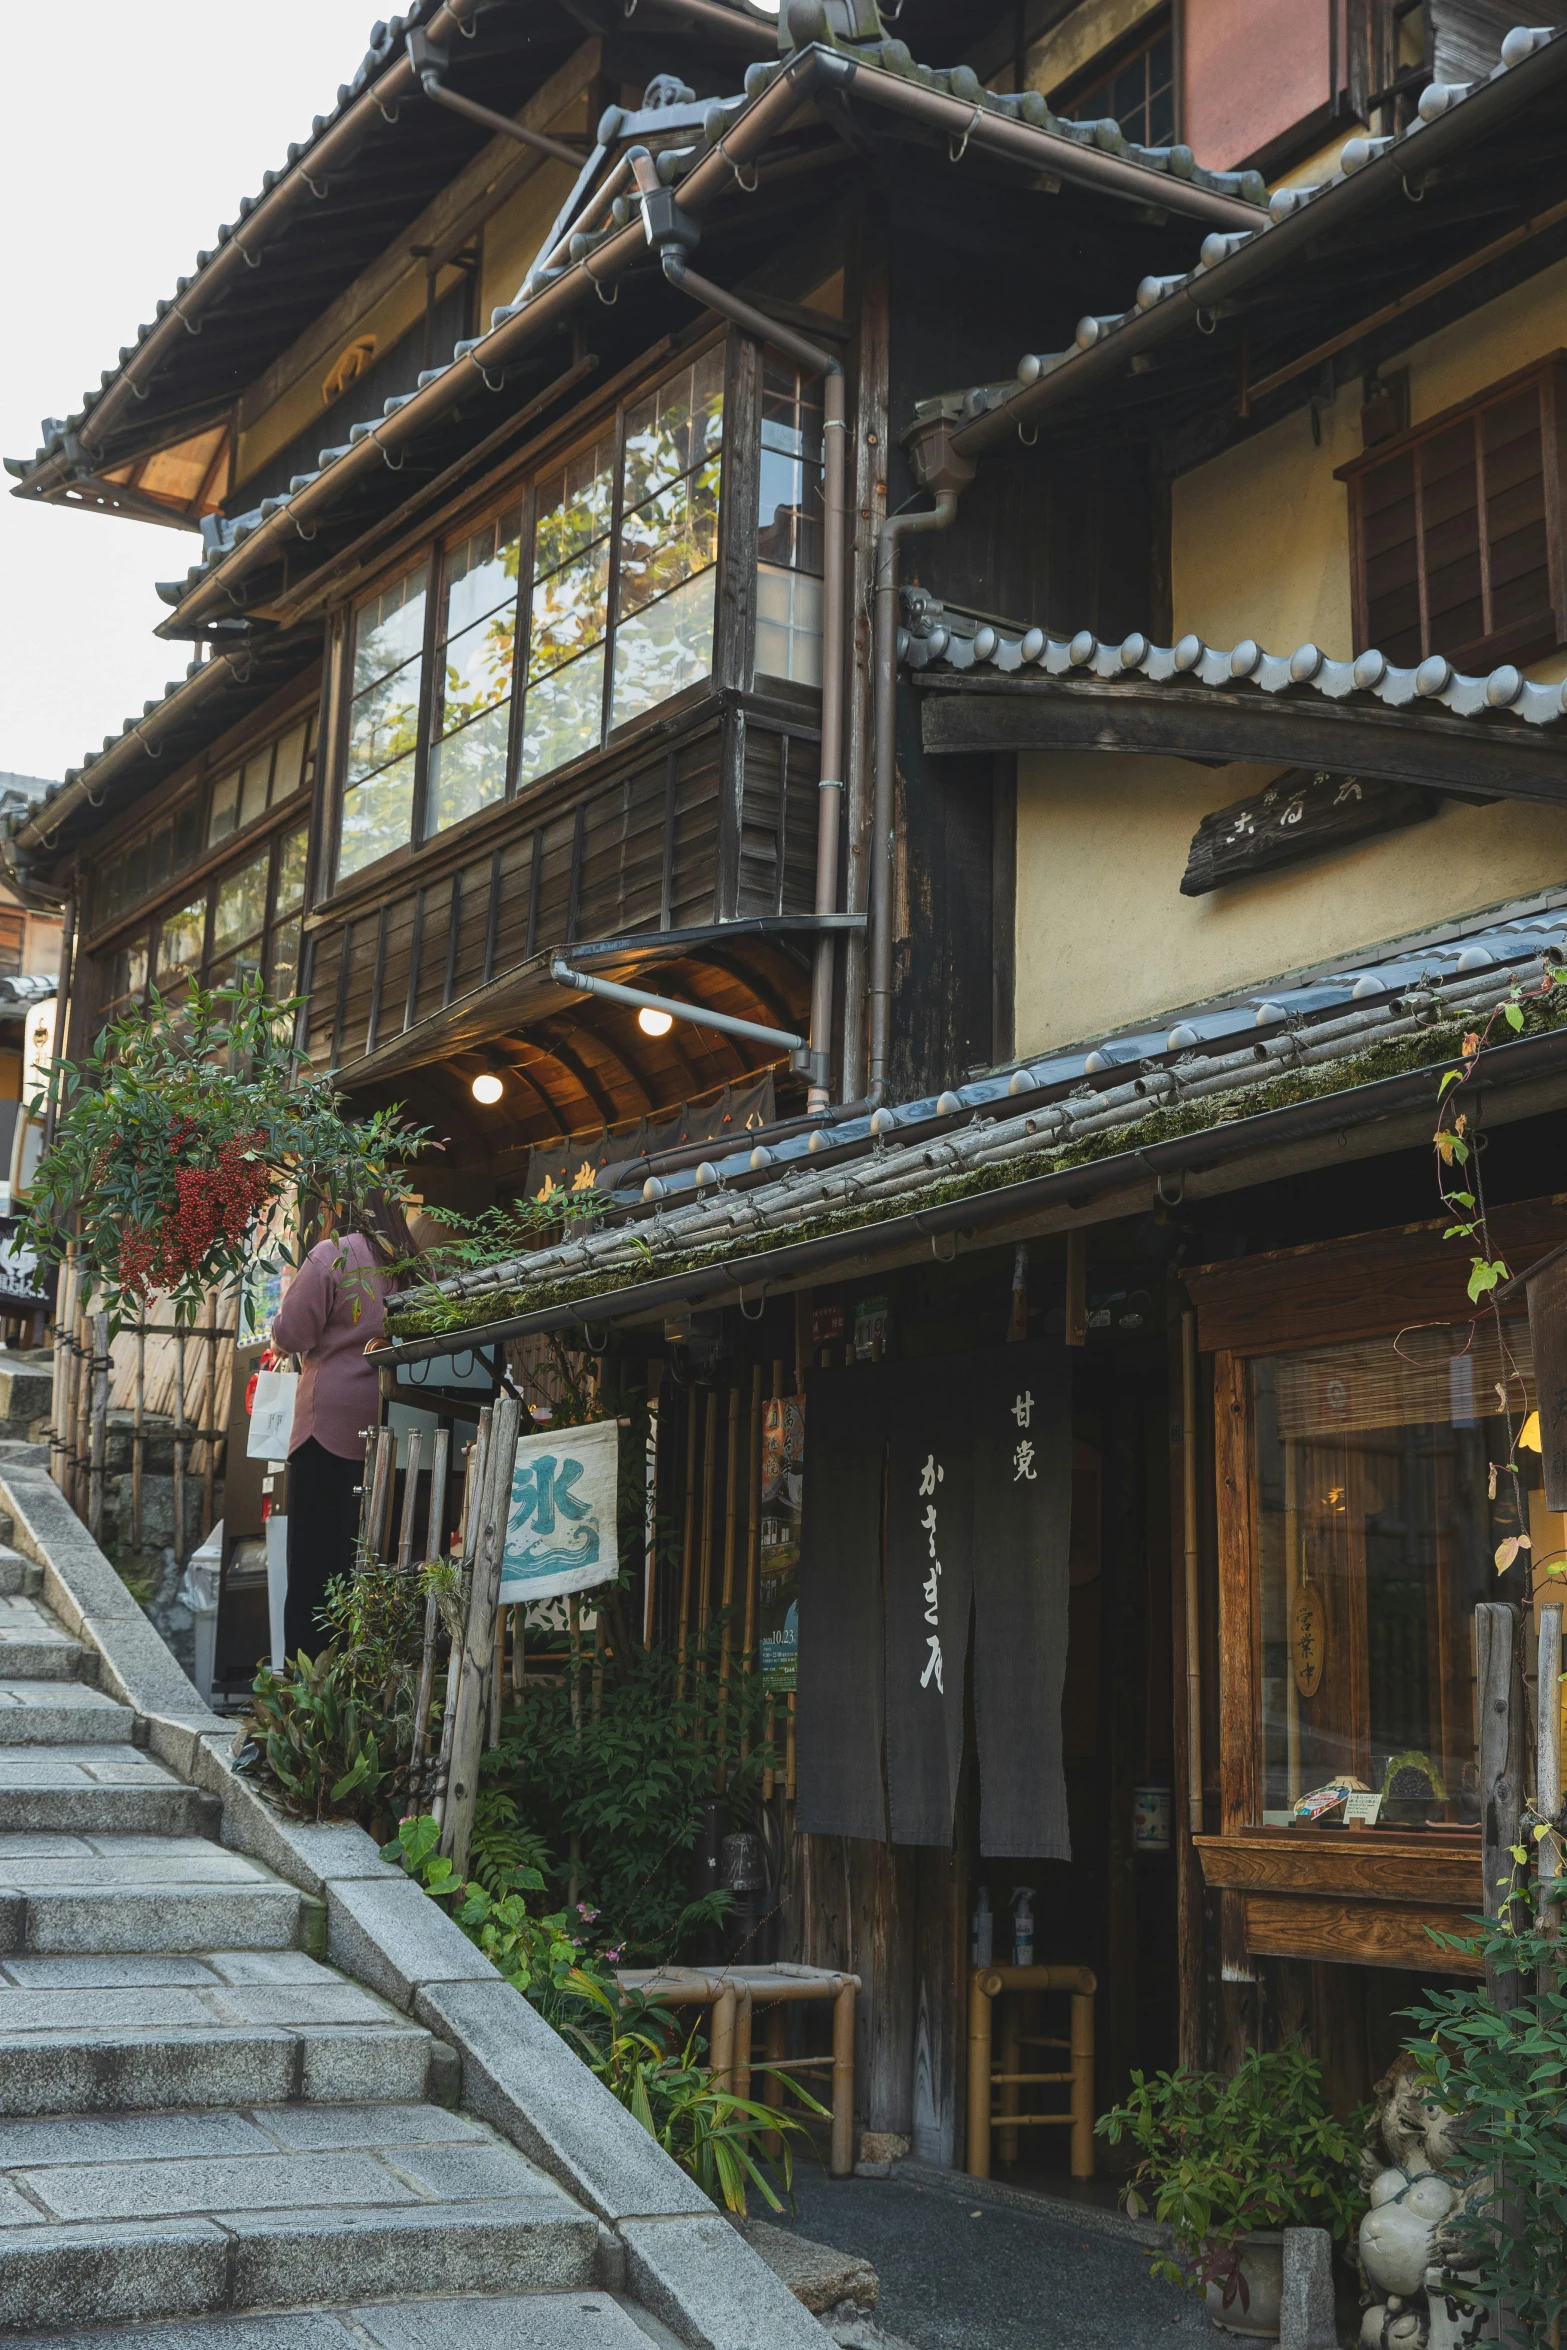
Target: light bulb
point(487, 1087)
point(654, 1023)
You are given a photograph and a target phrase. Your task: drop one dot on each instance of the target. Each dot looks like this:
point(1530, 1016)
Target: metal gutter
point(302, 184)
point(1332, 1113)
point(1274, 245)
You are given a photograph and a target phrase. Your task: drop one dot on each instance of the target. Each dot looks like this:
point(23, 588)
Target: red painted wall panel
point(1253, 69)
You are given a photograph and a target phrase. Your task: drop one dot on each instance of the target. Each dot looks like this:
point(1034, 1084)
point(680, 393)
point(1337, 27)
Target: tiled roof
point(1229, 261)
point(778, 1188)
point(933, 635)
point(718, 141)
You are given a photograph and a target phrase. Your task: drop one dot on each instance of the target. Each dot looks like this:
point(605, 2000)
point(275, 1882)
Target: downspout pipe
point(673, 247)
point(937, 467)
point(429, 61)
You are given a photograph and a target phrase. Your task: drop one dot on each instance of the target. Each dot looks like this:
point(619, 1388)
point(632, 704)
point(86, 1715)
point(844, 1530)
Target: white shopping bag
point(272, 1415)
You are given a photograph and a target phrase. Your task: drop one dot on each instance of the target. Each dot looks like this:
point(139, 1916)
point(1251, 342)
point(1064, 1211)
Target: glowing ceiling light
point(654, 1023)
point(487, 1087)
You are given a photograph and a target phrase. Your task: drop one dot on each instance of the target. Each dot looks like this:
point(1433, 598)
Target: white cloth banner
point(272, 1415)
point(561, 1529)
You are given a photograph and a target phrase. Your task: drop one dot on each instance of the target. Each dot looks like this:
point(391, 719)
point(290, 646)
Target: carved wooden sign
point(1308, 1639)
point(1302, 813)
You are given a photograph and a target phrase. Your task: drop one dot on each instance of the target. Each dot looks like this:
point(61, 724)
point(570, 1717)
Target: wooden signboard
point(1547, 1294)
point(1302, 813)
point(1308, 1639)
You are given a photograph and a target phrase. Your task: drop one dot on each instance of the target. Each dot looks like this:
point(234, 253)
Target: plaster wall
point(1252, 70)
point(1104, 937)
point(1260, 536)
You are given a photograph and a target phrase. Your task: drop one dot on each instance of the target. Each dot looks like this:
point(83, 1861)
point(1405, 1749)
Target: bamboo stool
point(734, 1994)
point(986, 1985)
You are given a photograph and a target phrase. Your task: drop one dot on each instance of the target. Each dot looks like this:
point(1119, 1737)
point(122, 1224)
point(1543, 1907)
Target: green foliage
point(629, 2042)
point(1222, 2158)
point(190, 1129)
point(324, 1748)
point(1504, 2074)
point(332, 1734)
point(622, 1788)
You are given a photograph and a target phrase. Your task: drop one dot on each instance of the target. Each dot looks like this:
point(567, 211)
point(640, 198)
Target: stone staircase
point(210, 2137)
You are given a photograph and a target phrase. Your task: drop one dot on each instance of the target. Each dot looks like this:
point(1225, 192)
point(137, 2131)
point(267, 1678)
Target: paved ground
point(1002, 2280)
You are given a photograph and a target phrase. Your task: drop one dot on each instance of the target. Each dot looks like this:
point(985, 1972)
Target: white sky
point(130, 134)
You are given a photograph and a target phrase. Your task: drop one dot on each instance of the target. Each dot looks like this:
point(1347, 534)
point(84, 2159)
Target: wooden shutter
point(1456, 534)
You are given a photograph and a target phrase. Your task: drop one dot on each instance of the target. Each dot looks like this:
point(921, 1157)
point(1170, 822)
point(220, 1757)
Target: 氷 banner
point(561, 1528)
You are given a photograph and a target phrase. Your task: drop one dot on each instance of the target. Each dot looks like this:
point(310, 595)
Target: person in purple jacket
point(336, 1304)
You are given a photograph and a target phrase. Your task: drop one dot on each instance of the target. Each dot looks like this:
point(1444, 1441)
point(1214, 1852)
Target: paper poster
point(783, 1487)
point(561, 1529)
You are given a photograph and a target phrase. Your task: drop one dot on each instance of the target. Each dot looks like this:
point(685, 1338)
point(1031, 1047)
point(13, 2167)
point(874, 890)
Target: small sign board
point(1360, 1811)
point(561, 1527)
point(1308, 1639)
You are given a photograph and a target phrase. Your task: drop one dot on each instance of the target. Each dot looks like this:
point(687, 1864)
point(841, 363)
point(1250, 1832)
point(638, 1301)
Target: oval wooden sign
point(1309, 1639)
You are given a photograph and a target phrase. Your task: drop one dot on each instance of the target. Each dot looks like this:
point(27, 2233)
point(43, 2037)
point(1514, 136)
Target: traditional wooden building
point(1039, 641)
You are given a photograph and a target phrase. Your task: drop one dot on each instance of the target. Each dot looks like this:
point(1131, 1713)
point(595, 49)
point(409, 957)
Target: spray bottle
point(1022, 1925)
point(982, 1931)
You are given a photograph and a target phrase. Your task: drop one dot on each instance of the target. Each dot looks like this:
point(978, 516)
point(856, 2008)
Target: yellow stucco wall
point(1260, 537)
point(1104, 937)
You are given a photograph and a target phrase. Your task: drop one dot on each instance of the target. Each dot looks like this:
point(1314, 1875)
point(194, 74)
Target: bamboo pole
point(209, 1420)
point(518, 1660)
point(650, 1523)
point(753, 1544)
point(78, 1452)
point(179, 1447)
point(497, 1676)
point(64, 1288)
point(405, 1531)
point(688, 1539)
point(100, 1423)
point(574, 1624)
point(473, 1461)
point(139, 1433)
point(769, 1733)
point(435, 1524)
point(1548, 1768)
point(789, 1751)
point(726, 1605)
point(372, 1437)
point(381, 1492)
point(709, 1495)
point(598, 1661)
point(479, 1628)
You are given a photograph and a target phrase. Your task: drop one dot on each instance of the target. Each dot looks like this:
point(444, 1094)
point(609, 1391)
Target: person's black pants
point(323, 1521)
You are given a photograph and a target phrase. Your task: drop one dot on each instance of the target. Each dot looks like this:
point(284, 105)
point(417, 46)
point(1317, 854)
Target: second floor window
point(1138, 92)
point(526, 641)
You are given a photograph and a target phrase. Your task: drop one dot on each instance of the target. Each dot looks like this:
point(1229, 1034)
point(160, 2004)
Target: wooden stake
point(381, 1492)
point(497, 1676)
point(179, 1447)
point(421, 1730)
point(138, 1432)
point(688, 1539)
point(372, 1438)
point(731, 1528)
point(753, 1541)
point(479, 1630)
point(100, 1422)
point(1499, 1686)
point(789, 1752)
point(1548, 1769)
point(518, 1621)
point(209, 1413)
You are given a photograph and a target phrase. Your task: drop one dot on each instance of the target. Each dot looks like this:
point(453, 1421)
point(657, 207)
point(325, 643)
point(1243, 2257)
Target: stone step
point(35, 1646)
point(128, 1894)
point(580, 2320)
point(19, 1578)
point(98, 1790)
point(83, 2035)
point(173, 2215)
point(60, 1713)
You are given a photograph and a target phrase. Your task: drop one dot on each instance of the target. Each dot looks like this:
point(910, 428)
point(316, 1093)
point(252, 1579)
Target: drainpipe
point(937, 467)
point(430, 60)
point(674, 233)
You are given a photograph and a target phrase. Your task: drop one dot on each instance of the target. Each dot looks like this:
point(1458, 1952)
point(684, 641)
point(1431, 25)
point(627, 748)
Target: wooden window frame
point(1524, 641)
point(519, 488)
point(1159, 24)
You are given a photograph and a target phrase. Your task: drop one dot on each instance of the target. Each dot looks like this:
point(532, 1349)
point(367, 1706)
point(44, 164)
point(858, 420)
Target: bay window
point(526, 640)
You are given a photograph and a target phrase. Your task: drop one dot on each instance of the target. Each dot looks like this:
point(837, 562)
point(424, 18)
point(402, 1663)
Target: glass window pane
point(1377, 1533)
point(135, 874)
point(255, 782)
point(675, 428)
point(563, 715)
point(187, 835)
point(789, 504)
point(293, 851)
point(788, 625)
point(664, 649)
point(284, 978)
point(134, 966)
point(482, 573)
point(574, 508)
point(159, 847)
point(389, 630)
point(377, 816)
point(468, 768)
point(384, 721)
point(180, 939)
point(225, 809)
point(669, 539)
point(241, 906)
point(570, 611)
point(289, 764)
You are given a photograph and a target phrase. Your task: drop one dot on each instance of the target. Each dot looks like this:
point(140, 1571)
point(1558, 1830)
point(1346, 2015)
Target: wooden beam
point(1502, 759)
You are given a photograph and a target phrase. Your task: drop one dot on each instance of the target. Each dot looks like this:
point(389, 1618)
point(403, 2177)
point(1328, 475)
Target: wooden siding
point(642, 853)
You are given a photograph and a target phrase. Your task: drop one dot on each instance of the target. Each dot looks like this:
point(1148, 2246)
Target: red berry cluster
point(212, 1205)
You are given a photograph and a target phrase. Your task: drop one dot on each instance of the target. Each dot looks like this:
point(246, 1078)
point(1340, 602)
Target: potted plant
point(1228, 2163)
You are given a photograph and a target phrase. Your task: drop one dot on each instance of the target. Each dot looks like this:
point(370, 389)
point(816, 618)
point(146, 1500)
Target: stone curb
point(680, 2258)
point(1061, 2210)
